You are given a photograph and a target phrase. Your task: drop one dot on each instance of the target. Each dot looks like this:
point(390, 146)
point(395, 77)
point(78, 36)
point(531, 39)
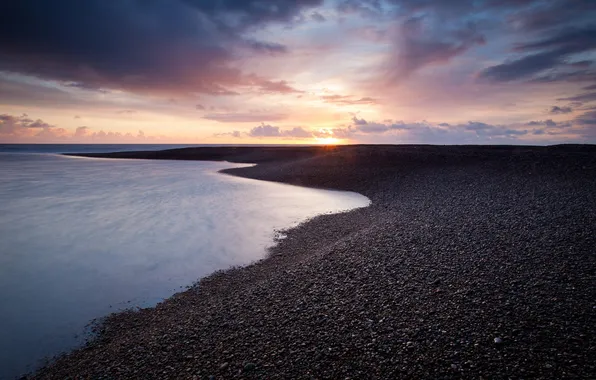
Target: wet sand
point(471, 262)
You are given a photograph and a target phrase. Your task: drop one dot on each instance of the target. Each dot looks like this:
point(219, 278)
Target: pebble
point(502, 245)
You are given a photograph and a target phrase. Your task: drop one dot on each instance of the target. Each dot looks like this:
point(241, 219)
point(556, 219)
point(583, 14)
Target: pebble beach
point(474, 262)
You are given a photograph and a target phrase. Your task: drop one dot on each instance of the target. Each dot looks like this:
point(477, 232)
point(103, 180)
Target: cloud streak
point(554, 51)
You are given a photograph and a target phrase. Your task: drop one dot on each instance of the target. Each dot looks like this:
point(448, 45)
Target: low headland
point(471, 262)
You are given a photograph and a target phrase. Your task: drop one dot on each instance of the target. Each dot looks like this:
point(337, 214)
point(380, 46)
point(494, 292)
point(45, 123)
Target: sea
point(81, 238)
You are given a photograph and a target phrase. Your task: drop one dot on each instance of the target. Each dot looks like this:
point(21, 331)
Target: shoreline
point(470, 261)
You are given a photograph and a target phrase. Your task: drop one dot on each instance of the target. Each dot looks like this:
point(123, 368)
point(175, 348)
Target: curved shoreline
point(471, 261)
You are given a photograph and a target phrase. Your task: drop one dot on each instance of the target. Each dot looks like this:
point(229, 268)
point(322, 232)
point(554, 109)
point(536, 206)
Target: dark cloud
point(246, 14)
point(365, 8)
point(568, 41)
point(547, 123)
point(358, 121)
point(582, 64)
point(316, 16)
point(23, 121)
point(587, 97)
point(200, 107)
point(161, 46)
point(12, 127)
point(573, 76)
point(522, 68)
point(588, 118)
point(266, 130)
point(85, 86)
point(560, 110)
point(554, 51)
point(266, 47)
point(591, 87)
point(245, 117)
point(543, 15)
point(433, 32)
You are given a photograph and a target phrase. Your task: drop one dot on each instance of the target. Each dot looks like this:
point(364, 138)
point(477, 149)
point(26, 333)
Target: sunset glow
point(388, 71)
point(327, 140)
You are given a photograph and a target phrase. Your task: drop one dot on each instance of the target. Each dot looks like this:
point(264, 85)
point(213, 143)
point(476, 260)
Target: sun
point(327, 140)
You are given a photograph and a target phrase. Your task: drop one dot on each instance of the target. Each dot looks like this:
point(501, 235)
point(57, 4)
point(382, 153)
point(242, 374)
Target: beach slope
point(472, 261)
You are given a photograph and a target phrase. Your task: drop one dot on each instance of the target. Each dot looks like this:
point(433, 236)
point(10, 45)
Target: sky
point(298, 71)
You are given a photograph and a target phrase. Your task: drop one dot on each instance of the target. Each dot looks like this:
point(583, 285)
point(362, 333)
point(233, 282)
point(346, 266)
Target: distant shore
point(472, 261)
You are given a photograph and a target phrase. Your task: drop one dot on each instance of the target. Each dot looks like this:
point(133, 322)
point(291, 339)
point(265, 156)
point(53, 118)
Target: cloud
point(553, 54)
point(349, 100)
point(244, 117)
point(544, 15)
point(574, 76)
point(85, 86)
point(297, 132)
point(82, 131)
point(548, 123)
point(103, 44)
point(579, 129)
point(267, 86)
point(582, 64)
point(235, 134)
point(438, 133)
point(316, 16)
point(588, 118)
point(265, 130)
point(126, 112)
point(560, 110)
point(569, 41)
point(359, 121)
point(266, 47)
point(22, 129)
point(15, 124)
point(365, 8)
point(423, 41)
point(200, 107)
point(252, 13)
point(522, 68)
point(588, 97)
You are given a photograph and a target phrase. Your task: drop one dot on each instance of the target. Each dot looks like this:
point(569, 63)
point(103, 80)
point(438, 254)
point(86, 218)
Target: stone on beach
point(354, 295)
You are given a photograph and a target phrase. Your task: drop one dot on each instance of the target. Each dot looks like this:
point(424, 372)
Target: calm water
point(80, 238)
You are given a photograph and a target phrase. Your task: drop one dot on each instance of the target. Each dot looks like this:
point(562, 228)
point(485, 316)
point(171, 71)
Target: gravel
point(471, 262)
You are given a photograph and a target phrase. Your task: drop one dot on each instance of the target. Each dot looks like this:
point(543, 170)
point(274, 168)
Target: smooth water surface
point(81, 238)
